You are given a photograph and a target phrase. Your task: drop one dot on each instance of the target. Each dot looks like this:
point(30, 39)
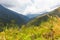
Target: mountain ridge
point(7, 15)
point(44, 17)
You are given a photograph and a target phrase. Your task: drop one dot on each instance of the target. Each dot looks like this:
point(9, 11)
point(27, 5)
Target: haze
point(30, 6)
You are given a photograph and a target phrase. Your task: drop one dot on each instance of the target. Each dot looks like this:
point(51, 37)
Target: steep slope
point(47, 24)
point(8, 16)
point(44, 17)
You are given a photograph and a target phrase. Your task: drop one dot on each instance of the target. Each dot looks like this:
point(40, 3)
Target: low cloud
point(27, 6)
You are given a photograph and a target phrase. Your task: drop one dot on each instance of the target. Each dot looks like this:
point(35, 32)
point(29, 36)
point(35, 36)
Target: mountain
point(8, 16)
point(32, 15)
point(44, 17)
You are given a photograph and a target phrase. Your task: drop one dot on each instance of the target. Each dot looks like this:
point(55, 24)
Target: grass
point(49, 30)
point(31, 33)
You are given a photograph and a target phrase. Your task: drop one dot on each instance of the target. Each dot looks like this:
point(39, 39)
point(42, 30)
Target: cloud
point(8, 2)
point(30, 6)
point(41, 5)
point(16, 5)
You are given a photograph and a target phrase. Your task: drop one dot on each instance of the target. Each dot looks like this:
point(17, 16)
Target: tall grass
point(49, 30)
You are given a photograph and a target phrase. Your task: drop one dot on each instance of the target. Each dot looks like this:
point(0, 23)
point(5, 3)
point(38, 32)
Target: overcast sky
point(30, 6)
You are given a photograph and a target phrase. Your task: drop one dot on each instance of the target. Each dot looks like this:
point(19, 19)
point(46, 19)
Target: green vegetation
point(46, 27)
point(48, 30)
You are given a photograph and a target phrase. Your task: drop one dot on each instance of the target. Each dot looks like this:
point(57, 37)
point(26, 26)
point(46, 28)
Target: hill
point(44, 17)
point(8, 16)
point(44, 27)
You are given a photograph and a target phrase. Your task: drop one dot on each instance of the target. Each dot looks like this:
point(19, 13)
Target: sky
point(30, 6)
